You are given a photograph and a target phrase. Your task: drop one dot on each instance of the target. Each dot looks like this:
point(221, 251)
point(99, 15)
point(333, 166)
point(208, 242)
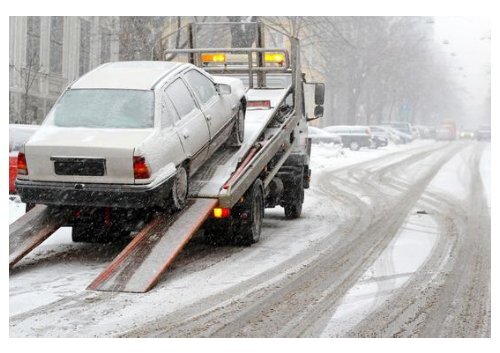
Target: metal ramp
point(140, 265)
point(31, 229)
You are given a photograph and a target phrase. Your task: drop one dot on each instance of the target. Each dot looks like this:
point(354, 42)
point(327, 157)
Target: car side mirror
point(223, 89)
point(319, 95)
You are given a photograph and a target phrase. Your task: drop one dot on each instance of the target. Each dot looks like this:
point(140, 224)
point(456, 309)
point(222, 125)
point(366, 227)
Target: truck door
point(191, 127)
point(216, 107)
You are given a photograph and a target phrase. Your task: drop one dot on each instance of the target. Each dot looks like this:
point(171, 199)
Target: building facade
point(48, 53)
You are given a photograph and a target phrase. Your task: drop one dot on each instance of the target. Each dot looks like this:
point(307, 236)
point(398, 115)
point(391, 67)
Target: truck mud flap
point(31, 229)
point(139, 267)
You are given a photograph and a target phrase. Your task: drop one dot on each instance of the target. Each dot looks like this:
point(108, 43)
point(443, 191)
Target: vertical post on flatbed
point(191, 43)
point(261, 76)
point(297, 75)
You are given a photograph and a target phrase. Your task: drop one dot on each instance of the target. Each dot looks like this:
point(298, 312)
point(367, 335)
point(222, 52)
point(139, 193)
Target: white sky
point(468, 39)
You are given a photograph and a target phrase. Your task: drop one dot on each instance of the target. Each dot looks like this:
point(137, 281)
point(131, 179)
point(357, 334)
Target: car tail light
point(22, 166)
point(141, 169)
point(259, 104)
point(221, 212)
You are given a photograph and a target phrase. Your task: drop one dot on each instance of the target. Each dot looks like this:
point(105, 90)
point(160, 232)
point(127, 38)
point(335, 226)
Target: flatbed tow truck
point(229, 193)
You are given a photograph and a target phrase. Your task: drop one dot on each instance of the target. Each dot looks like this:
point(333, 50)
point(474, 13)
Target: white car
point(129, 135)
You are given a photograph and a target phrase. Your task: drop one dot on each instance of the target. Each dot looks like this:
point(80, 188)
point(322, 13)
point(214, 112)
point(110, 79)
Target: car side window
point(168, 113)
point(204, 88)
point(181, 97)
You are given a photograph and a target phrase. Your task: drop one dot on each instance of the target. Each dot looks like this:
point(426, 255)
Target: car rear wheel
point(180, 188)
point(354, 146)
point(238, 132)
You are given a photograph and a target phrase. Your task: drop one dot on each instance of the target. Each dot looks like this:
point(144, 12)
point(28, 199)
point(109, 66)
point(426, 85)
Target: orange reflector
point(22, 166)
point(278, 58)
point(221, 212)
point(259, 104)
point(213, 57)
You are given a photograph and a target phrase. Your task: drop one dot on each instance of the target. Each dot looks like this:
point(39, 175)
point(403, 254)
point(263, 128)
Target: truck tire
point(249, 229)
point(180, 188)
point(238, 132)
point(293, 206)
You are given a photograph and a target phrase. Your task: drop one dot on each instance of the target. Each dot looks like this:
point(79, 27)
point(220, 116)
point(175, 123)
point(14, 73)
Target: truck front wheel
point(251, 216)
point(295, 199)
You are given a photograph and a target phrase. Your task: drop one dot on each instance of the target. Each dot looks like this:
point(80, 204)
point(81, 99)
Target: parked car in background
point(466, 135)
point(484, 133)
point(353, 136)
point(18, 136)
point(404, 128)
point(129, 135)
point(380, 135)
point(423, 131)
point(318, 135)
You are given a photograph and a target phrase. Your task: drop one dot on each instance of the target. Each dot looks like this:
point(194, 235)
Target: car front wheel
point(238, 132)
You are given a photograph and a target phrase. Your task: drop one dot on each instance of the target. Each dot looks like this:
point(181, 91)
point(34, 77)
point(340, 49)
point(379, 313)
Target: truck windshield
point(105, 108)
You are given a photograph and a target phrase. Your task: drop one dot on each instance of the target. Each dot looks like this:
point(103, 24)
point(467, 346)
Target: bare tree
point(28, 75)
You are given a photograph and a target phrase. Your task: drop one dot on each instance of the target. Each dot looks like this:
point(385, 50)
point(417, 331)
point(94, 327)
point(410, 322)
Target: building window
point(105, 45)
point(33, 44)
point(84, 46)
point(56, 44)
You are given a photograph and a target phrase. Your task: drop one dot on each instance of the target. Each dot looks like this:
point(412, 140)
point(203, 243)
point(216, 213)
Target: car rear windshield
point(105, 108)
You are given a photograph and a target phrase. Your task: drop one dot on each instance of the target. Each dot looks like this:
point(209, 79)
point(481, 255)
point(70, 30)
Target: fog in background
point(422, 70)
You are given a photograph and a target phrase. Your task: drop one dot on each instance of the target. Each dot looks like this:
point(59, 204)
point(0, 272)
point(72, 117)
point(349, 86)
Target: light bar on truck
point(259, 104)
point(213, 57)
point(277, 58)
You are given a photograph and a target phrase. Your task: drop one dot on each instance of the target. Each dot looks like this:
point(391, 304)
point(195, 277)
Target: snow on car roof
point(126, 75)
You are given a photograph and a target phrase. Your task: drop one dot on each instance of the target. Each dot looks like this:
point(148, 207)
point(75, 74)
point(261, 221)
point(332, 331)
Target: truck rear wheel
point(252, 210)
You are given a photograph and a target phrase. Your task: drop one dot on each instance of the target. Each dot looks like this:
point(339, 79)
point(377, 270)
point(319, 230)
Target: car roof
point(140, 75)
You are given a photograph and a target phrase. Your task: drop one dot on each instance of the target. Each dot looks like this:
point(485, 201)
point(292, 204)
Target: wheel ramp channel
point(31, 229)
point(140, 265)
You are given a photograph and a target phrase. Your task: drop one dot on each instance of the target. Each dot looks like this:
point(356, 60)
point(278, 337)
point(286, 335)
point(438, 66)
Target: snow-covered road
point(378, 227)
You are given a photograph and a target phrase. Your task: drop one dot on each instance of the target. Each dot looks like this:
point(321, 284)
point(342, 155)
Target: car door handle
point(209, 117)
point(185, 134)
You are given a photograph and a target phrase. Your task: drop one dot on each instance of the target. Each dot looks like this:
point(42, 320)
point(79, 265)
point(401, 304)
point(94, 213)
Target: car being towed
point(129, 135)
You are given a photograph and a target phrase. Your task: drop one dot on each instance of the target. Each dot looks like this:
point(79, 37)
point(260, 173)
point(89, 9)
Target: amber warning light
point(277, 58)
point(221, 212)
point(213, 57)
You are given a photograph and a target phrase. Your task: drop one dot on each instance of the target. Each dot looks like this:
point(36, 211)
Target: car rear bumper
point(96, 195)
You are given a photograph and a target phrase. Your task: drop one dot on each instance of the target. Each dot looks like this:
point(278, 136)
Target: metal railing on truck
point(209, 37)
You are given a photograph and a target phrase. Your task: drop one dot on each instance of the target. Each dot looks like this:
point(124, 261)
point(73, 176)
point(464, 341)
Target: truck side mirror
point(318, 111)
point(319, 95)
